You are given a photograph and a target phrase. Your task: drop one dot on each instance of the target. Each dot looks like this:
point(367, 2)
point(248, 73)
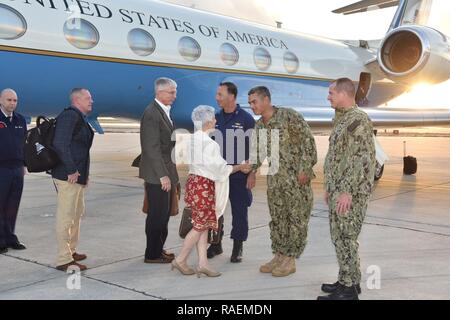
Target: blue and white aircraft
point(118, 48)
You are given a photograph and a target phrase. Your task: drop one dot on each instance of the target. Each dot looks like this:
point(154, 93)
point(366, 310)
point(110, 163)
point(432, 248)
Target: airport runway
point(406, 236)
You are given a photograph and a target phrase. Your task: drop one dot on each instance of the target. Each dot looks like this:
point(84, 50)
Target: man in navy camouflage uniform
point(284, 138)
point(349, 176)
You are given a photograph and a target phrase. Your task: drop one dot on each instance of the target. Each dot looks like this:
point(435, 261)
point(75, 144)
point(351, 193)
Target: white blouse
point(206, 161)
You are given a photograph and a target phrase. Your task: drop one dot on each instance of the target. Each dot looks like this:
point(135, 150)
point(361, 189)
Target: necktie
point(10, 119)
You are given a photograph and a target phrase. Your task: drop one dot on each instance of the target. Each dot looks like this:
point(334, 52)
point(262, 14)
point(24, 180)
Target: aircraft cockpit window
point(12, 23)
point(291, 62)
point(81, 33)
point(141, 42)
point(189, 49)
point(229, 54)
point(262, 58)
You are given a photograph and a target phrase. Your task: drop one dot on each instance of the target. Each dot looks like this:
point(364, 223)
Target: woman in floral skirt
point(207, 190)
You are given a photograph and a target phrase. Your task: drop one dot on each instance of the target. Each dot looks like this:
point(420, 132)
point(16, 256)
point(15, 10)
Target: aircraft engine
point(412, 54)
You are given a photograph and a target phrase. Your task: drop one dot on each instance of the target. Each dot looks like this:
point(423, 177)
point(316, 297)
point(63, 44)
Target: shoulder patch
point(355, 124)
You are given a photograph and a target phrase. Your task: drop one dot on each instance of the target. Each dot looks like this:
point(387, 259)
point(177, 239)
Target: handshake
point(244, 167)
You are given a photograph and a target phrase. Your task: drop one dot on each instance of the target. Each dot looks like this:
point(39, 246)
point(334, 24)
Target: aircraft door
point(365, 82)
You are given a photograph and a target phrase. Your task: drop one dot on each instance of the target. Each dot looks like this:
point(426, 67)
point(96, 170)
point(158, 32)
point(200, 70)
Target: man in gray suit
point(157, 169)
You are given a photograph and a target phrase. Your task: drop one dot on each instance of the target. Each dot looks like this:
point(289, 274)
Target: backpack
point(39, 154)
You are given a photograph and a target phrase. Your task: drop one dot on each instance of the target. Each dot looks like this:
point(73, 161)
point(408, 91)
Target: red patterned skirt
point(200, 197)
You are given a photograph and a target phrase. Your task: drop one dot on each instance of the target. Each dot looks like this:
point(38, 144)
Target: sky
point(307, 16)
point(315, 17)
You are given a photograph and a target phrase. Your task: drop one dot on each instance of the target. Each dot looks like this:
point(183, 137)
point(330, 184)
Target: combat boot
point(214, 250)
point(236, 255)
point(285, 267)
point(269, 266)
point(342, 293)
point(332, 287)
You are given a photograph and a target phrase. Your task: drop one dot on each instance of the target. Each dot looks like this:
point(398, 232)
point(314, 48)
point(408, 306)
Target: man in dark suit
point(157, 169)
point(72, 141)
point(13, 130)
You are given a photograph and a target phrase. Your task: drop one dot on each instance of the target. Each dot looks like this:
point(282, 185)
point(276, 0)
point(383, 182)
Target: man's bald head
point(8, 101)
point(81, 99)
point(8, 90)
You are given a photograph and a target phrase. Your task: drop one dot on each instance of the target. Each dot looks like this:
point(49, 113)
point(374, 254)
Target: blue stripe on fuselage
point(43, 84)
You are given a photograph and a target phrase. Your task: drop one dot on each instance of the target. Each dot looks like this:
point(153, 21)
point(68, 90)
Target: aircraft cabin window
point(262, 58)
point(189, 49)
point(12, 23)
point(291, 62)
point(141, 42)
point(229, 54)
point(81, 33)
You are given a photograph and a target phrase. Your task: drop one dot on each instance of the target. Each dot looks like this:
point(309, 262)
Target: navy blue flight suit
point(12, 137)
point(240, 197)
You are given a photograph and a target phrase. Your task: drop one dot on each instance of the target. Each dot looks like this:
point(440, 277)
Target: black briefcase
point(409, 165)
point(185, 223)
point(186, 227)
point(409, 162)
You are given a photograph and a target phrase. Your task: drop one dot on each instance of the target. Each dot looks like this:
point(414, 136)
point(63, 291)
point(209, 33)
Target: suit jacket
point(72, 142)
point(156, 146)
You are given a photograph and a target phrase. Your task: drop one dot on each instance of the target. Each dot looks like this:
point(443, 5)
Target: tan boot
point(285, 267)
point(269, 266)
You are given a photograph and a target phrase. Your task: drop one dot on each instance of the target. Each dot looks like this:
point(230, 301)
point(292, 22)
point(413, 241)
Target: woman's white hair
point(201, 115)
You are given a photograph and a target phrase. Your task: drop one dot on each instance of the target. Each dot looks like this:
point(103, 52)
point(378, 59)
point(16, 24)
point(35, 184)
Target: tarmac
point(404, 245)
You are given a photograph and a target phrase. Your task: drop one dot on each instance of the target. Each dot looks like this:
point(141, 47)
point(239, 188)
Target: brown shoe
point(184, 269)
point(207, 272)
point(269, 266)
point(168, 254)
point(161, 259)
point(285, 267)
point(64, 267)
point(79, 256)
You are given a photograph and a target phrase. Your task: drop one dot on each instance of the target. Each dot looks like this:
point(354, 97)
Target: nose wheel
point(378, 171)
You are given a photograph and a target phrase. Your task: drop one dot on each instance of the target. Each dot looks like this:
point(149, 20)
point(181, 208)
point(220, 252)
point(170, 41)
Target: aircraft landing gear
point(378, 171)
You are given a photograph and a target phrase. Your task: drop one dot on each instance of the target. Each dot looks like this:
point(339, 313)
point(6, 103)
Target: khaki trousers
point(68, 217)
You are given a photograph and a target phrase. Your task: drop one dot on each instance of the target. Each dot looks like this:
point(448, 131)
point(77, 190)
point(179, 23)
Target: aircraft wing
point(367, 5)
point(382, 117)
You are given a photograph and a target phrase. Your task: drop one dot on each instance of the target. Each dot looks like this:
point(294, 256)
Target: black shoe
point(214, 250)
point(236, 255)
point(342, 293)
point(17, 246)
point(331, 287)
point(3, 250)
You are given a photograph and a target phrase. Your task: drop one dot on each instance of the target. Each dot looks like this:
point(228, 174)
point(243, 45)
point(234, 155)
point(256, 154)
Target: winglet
point(96, 125)
point(367, 5)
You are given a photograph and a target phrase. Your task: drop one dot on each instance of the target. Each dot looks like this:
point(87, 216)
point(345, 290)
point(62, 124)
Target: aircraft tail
point(428, 13)
point(372, 5)
point(367, 5)
point(417, 47)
